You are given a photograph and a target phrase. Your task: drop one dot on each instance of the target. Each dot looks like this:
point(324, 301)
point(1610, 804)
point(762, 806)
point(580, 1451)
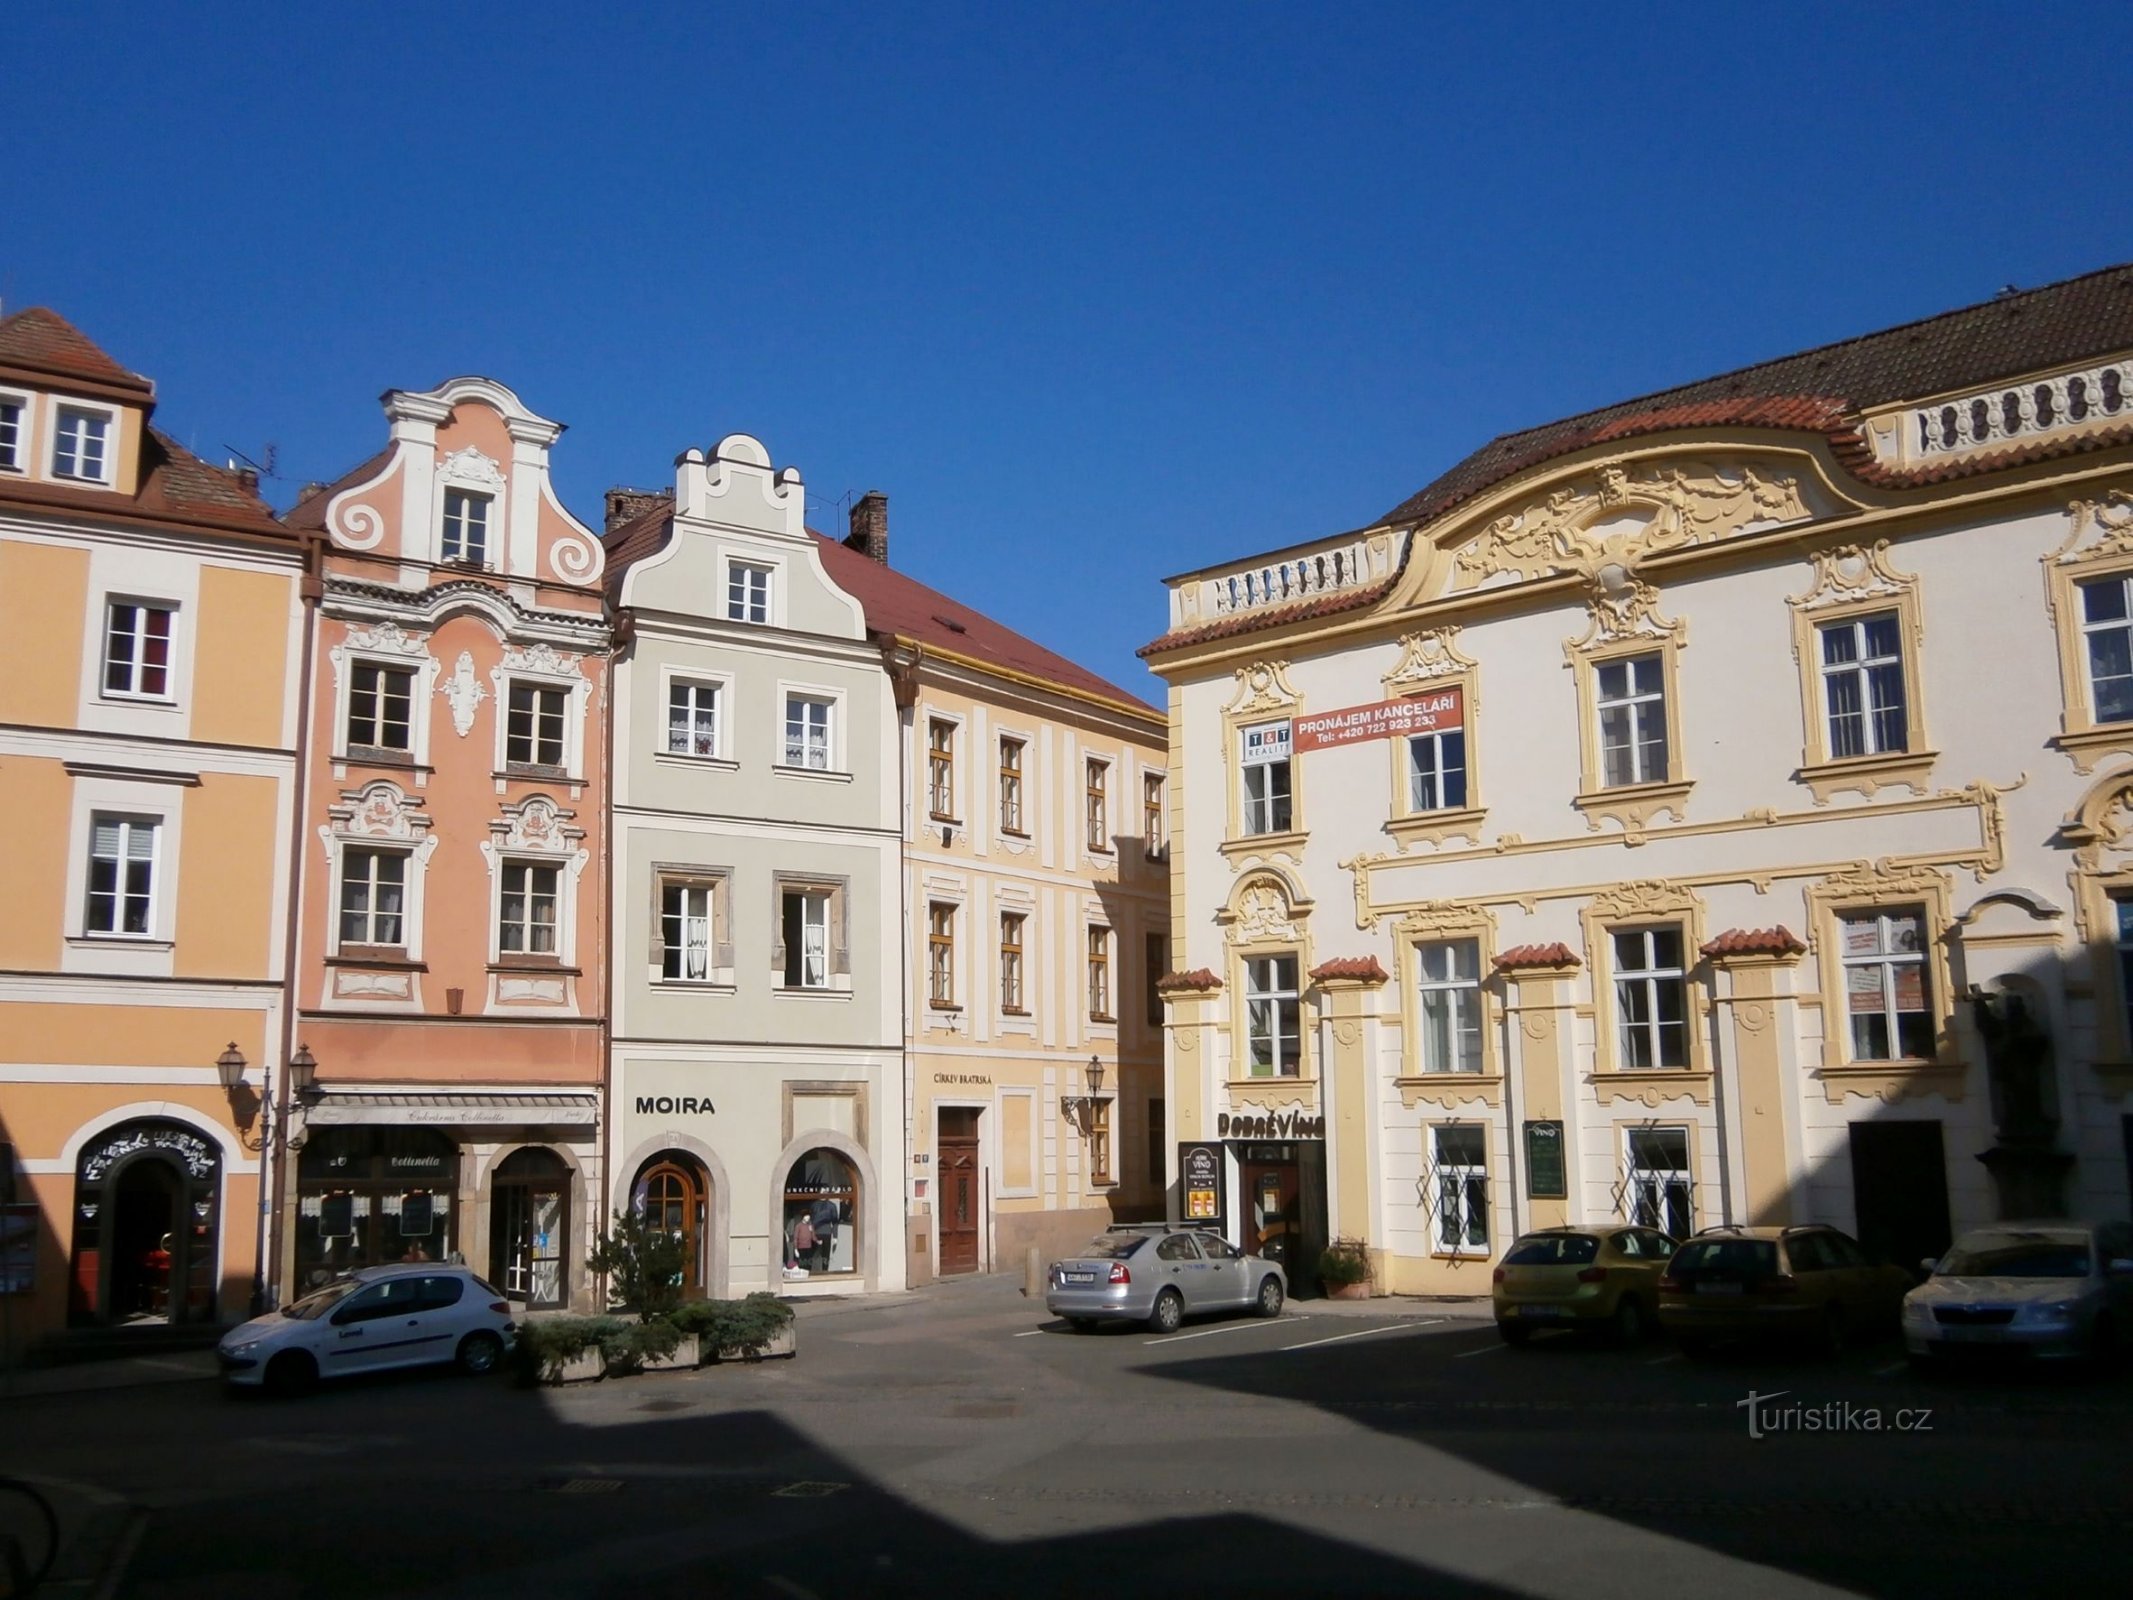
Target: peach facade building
point(150, 613)
point(450, 981)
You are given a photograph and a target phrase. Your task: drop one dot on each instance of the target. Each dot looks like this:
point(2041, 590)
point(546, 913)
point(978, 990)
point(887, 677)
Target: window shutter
point(106, 841)
point(840, 933)
point(661, 889)
point(722, 924)
point(777, 945)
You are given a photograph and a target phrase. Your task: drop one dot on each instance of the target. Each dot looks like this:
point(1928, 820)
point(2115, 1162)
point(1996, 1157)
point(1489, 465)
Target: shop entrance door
point(957, 1144)
point(529, 1237)
point(1273, 1212)
point(1900, 1190)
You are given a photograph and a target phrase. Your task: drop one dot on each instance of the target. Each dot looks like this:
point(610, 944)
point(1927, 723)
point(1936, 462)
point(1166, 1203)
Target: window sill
point(1262, 1083)
point(1014, 833)
point(1437, 826)
point(552, 964)
point(2085, 746)
point(784, 992)
point(1632, 803)
point(948, 1007)
point(944, 819)
point(724, 985)
point(1866, 774)
point(1018, 1013)
point(120, 941)
point(1104, 1018)
point(383, 955)
point(1890, 1081)
point(536, 772)
point(684, 758)
point(814, 774)
point(1652, 1085)
point(1263, 844)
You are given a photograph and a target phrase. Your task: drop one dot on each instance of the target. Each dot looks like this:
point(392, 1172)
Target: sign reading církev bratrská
point(1388, 719)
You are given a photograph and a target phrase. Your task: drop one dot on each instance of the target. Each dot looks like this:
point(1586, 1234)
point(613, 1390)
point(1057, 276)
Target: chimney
point(626, 505)
point(870, 527)
point(248, 479)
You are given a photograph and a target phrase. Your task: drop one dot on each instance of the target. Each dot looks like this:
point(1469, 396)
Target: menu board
point(1545, 1175)
point(1200, 1171)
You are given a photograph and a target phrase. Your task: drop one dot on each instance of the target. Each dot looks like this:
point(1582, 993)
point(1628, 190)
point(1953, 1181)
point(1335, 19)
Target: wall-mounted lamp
point(1082, 1107)
point(303, 1074)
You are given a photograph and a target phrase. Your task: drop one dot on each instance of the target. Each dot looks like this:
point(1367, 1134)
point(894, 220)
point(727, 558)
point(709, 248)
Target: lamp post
point(1082, 1107)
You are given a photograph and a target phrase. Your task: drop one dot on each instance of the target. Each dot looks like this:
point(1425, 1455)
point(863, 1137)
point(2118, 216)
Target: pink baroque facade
point(449, 968)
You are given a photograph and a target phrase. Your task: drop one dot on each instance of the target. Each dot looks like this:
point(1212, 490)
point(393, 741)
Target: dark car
point(1813, 1285)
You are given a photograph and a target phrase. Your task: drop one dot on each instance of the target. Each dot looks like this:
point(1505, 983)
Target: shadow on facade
point(29, 1250)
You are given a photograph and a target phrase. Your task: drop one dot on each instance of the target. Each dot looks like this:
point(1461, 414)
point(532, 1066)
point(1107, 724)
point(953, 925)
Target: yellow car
point(1603, 1279)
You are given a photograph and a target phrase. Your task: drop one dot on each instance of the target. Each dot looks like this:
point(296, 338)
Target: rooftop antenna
point(265, 469)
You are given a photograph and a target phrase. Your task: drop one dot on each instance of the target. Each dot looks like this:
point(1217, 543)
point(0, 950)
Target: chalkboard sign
point(1200, 1174)
point(1544, 1162)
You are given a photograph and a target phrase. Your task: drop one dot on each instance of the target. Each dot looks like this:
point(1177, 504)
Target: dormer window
point(747, 593)
point(79, 445)
point(466, 527)
point(10, 434)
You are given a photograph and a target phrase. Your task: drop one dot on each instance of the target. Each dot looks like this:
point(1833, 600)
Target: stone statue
point(2017, 1065)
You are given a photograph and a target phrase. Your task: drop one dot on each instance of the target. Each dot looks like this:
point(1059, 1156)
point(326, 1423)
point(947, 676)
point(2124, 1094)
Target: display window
point(821, 1219)
point(369, 1196)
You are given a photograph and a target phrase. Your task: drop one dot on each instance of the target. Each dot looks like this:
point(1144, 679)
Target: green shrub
point(1343, 1262)
point(627, 1346)
point(643, 1265)
point(745, 1325)
point(546, 1345)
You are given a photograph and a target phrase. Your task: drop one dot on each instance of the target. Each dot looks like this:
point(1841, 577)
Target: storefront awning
point(574, 1108)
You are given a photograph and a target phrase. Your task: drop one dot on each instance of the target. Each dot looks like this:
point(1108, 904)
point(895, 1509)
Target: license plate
point(1718, 1288)
point(1541, 1313)
point(1079, 1277)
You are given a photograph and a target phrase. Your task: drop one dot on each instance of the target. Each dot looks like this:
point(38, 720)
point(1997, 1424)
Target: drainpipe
point(621, 642)
point(902, 658)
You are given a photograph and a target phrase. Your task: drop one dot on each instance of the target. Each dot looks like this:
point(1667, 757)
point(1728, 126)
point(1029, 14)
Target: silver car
point(1160, 1275)
point(2042, 1289)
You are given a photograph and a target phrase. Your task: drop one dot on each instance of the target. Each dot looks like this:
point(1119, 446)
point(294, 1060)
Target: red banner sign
point(1388, 719)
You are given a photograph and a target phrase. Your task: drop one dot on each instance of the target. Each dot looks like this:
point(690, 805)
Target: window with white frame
point(526, 921)
point(1656, 1191)
point(137, 636)
point(1631, 694)
point(807, 731)
point(747, 592)
point(692, 717)
point(1862, 686)
point(1012, 924)
point(2107, 646)
point(1272, 1017)
point(81, 445)
point(466, 527)
point(1886, 991)
point(1100, 974)
point(1096, 797)
point(10, 434)
point(535, 724)
point(804, 920)
point(1450, 981)
point(1012, 753)
point(1436, 771)
point(940, 955)
point(688, 919)
point(1100, 1143)
point(940, 768)
point(1651, 997)
point(373, 897)
point(1264, 753)
point(381, 704)
point(1460, 1154)
point(122, 876)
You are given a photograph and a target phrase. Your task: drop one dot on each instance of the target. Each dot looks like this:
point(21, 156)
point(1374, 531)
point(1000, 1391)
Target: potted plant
point(1344, 1270)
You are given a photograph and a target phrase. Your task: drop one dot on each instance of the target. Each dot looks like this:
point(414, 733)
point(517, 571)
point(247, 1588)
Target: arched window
point(821, 1216)
point(529, 1230)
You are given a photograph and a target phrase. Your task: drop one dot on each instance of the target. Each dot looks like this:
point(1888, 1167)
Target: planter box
point(685, 1355)
point(587, 1366)
point(784, 1343)
point(1348, 1291)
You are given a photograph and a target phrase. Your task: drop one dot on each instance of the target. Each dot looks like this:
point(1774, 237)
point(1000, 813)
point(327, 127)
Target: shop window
point(369, 1196)
point(529, 1227)
point(821, 1220)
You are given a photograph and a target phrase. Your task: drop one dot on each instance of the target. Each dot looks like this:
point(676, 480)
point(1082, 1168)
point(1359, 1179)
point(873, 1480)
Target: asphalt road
point(959, 1442)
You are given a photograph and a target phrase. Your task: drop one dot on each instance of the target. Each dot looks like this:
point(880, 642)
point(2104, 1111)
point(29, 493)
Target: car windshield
point(2016, 1255)
point(315, 1305)
point(1114, 1246)
point(1553, 1250)
point(1726, 1255)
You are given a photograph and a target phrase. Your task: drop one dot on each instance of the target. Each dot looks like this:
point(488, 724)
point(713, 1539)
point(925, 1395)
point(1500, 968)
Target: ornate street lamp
point(1082, 1107)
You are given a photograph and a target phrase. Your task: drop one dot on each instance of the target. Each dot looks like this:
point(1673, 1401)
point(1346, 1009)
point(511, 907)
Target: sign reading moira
point(1388, 719)
point(668, 1105)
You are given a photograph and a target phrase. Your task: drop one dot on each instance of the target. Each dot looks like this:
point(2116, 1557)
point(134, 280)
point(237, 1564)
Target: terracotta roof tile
point(1522, 956)
point(41, 340)
point(1199, 980)
point(643, 535)
point(1252, 621)
point(309, 512)
point(1778, 941)
point(1361, 969)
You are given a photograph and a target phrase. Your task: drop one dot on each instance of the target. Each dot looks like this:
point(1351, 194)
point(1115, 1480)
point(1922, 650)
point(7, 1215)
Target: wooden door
point(960, 1200)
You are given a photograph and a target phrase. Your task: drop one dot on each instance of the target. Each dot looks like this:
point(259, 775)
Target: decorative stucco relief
point(1262, 686)
point(471, 465)
point(463, 692)
point(1426, 658)
point(542, 658)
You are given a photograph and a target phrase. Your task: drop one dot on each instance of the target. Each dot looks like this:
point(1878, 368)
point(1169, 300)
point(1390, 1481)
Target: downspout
point(622, 636)
point(902, 658)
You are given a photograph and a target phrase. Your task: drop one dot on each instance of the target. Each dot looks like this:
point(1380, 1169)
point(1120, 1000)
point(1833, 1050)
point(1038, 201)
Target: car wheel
point(1169, 1312)
point(292, 1372)
point(1270, 1297)
point(1628, 1326)
point(1514, 1333)
point(480, 1352)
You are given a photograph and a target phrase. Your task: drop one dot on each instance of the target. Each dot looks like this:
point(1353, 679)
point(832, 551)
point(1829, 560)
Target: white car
point(2038, 1289)
point(373, 1321)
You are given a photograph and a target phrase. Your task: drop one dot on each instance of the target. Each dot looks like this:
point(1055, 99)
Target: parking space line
point(1030, 1334)
point(1363, 1333)
point(1485, 1350)
point(1660, 1361)
point(1209, 1333)
point(1893, 1366)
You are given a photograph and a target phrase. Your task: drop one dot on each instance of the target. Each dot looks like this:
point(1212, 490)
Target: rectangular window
point(1100, 1143)
point(373, 897)
point(526, 917)
point(940, 955)
point(1155, 961)
point(1011, 754)
point(1885, 987)
point(1098, 814)
point(1264, 752)
point(533, 726)
point(747, 592)
point(466, 527)
point(1462, 1162)
point(1451, 1005)
point(78, 450)
point(1100, 974)
point(1272, 1036)
point(1656, 1191)
point(804, 916)
point(1157, 1136)
point(1651, 998)
point(940, 768)
point(2122, 923)
point(122, 871)
point(137, 651)
point(807, 732)
point(686, 915)
point(1011, 961)
point(2107, 636)
point(1436, 771)
point(380, 707)
point(1152, 843)
point(10, 435)
point(692, 718)
point(1632, 710)
point(1862, 687)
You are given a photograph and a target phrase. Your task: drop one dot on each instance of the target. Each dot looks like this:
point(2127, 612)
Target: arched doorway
point(672, 1194)
point(821, 1216)
point(145, 1226)
point(529, 1227)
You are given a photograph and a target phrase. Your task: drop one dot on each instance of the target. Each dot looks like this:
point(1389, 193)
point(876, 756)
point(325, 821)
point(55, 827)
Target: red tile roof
point(309, 512)
point(1330, 605)
point(1778, 941)
point(1358, 969)
point(1200, 980)
point(1522, 956)
point(175, 487)
point(40, 340)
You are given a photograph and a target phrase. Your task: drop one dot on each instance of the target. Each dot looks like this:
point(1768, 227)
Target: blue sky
point(1094, 293)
